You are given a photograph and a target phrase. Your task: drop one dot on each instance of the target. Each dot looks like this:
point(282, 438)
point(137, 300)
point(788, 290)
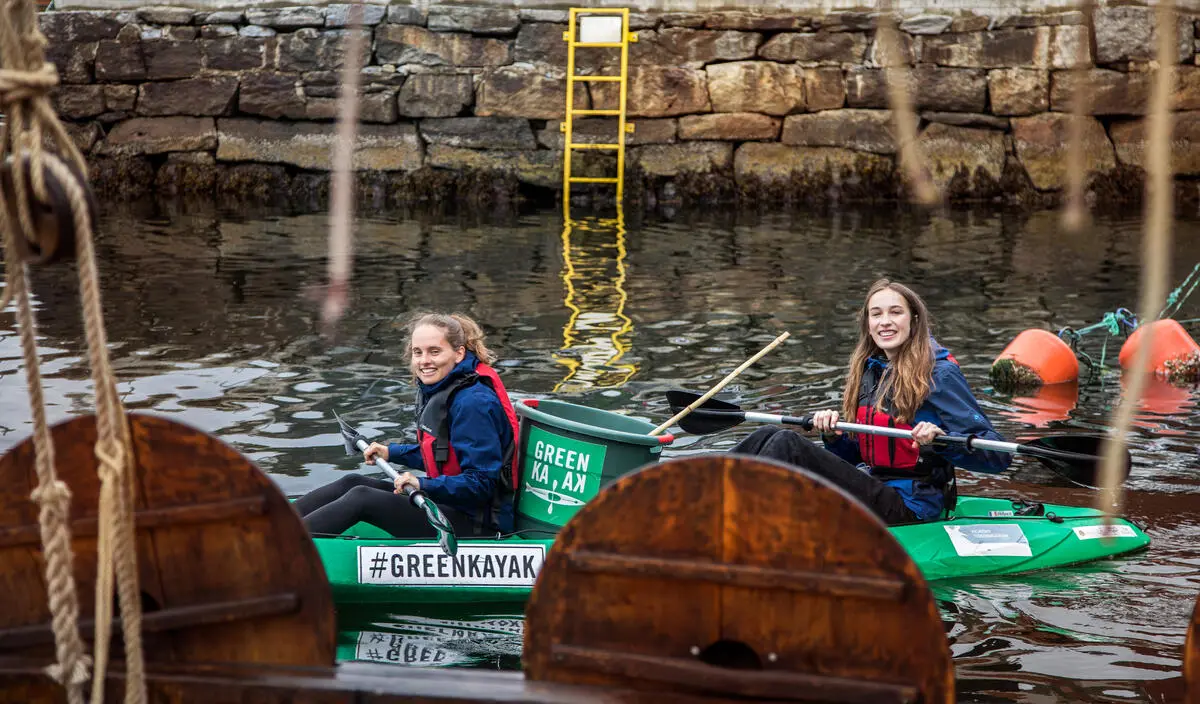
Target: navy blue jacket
point(480, 435)
point(952, 407)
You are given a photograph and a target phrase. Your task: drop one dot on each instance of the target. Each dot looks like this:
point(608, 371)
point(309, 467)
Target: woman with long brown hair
point(466, 439)
point(899, 377)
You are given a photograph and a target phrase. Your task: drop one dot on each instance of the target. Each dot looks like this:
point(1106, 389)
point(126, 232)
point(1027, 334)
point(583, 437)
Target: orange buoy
point(1034, 357)
point(1171, 343)
point(1049, 403)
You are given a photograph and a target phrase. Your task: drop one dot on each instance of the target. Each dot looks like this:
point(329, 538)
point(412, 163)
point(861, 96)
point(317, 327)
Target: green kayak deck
point(982, 537)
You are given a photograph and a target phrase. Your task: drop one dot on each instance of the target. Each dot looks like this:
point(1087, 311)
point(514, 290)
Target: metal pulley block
point(53, 236)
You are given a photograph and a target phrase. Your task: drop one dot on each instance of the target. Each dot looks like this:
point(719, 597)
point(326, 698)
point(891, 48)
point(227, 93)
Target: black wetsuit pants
point(333, 508)
point(789, 446)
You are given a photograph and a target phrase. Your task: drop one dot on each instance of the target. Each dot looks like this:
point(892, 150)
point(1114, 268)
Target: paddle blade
point(680, 400)
point(445, 532)
point(705, 422)
point(1075, 457)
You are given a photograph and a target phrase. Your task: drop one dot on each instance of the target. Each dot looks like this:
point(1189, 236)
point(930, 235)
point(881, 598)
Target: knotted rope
point(25, 81)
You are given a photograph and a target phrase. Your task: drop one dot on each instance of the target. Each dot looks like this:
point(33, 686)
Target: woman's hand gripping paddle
point(445, 532)
point(1073, 457)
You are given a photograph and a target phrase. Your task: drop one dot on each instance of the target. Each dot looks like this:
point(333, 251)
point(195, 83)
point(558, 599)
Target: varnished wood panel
point(228, 570)
point(718, 576)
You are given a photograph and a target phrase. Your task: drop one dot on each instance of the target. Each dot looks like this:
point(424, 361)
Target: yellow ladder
point(598, 31)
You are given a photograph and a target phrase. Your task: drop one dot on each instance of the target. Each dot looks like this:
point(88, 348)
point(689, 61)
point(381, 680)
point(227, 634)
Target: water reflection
point(596, 336)
point(211, 321)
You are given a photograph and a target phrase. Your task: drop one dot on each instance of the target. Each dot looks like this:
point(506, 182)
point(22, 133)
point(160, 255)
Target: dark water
point(213, 320)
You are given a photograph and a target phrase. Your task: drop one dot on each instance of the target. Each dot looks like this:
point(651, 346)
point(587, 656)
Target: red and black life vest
point(433, 427)
point(894, 458)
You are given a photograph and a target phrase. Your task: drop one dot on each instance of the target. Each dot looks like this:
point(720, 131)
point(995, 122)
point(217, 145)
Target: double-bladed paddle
point(445, 531)
point(1074, 457)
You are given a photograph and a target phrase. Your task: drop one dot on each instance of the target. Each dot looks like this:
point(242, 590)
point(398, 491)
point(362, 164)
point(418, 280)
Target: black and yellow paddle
point(1073, 457)
point(445, 532)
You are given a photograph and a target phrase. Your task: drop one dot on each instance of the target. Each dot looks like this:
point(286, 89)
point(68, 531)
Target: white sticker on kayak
point(989, 540)
point(1000, 514)
point(425, 565)
point(1103, 531)
point(413, 651)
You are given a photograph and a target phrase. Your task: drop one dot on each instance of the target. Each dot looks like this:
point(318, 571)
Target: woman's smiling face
point(889, 321)
point(432, 356)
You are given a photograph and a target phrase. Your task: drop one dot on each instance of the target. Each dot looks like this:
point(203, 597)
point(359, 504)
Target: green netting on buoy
point(1010, 376)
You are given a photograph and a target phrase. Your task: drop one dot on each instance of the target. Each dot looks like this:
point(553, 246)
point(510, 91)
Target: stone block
point(406, 14)
point(476, 20)
point(834, 48)
point(338, 15)
point(168, 58)
point(207, 95)
point(310, 146)
point(824, 88)
point(407, 44)
point(159, 135)
point(1129, 142)
point(783, 165)
point(65, 29)
point(287, 18)
point(79, 102)
point(658, 91)
point(676, 159)
point(436, 95)
point(479, 132)
point(120, 61)
point(729, 127)
point(949, 89)
point(1109, 92)
point(1127, 33)
point(926, 24)
point(756, 86)
point(967, 119)
point(1019, 91)
point(860, 130)
point(543, 43)
point(272, 95)
point(692, 48)
point(1012, 48)
point(526, 90)
point(964, 161)
point(866, 88)
point(243, 54)
point(120, 97)
point(758, 21)
point(1041, 140)
point(166, 15)
point(536, 167)
point(1070, 47)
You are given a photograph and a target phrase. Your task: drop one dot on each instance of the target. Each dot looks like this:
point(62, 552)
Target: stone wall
point(733, 105)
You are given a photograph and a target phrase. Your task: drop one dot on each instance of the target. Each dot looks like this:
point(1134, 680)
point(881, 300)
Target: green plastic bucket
point(570, 452)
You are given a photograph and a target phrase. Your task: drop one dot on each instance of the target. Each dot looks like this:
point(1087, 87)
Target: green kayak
point(570, 452)
point(983, 536)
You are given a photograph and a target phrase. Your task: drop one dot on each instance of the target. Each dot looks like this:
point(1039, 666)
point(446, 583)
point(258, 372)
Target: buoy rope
point(25, 82)
point(1155, 253)
point(1174, 299)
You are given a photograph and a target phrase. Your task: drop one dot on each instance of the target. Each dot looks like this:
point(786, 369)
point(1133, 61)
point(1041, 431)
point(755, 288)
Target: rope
point(1174, 299)
point(342, 188)
point(1155, 250)
point(904, 119)
point(25, 80)
point(1075, 212)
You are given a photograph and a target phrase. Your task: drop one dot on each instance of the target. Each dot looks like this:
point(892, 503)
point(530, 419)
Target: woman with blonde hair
point(466, 440)
point(898, 377)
